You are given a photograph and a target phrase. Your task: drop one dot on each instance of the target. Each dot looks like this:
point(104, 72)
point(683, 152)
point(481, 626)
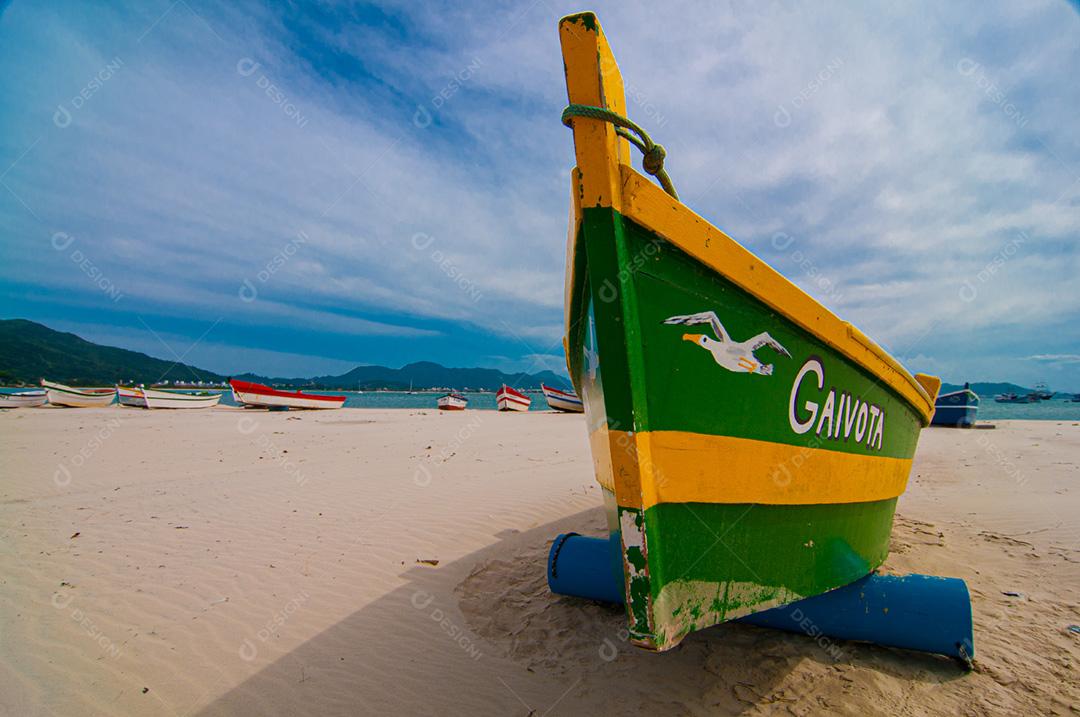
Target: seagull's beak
point(692, 337)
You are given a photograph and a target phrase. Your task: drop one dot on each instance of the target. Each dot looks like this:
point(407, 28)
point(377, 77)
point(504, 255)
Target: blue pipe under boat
point(915, 612)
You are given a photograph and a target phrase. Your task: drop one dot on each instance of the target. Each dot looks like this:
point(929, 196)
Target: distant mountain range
point(30, 351)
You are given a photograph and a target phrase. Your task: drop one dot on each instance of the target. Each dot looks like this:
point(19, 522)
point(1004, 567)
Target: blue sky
point(296, 190)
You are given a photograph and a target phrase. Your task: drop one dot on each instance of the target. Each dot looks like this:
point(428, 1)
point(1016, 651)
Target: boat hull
point(27, 399)
point(156, 398)
point(957, 408)
point(741, 512)
point(507, 399)
point(452, 403)
point(61, 395)
point(257, 395)
point(562, 401)
point(750, 445)
point(131, 397)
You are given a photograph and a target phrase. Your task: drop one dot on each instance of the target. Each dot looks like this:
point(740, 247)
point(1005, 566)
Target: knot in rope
point(653, 160)
point(653, 154)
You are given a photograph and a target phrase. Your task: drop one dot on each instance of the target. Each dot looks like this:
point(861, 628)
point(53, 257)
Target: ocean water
point(389, 399)
point(1055, 409)
point(420, 399)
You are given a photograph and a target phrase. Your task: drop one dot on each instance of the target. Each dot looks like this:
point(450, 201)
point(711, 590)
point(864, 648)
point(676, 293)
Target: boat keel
point(914, 612)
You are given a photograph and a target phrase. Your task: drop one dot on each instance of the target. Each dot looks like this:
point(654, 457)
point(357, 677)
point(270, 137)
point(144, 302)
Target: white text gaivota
point(841, 416)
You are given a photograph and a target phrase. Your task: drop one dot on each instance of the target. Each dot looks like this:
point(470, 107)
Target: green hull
point(690, 564)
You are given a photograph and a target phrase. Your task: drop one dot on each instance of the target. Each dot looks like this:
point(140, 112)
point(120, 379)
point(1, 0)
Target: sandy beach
point(231, 562)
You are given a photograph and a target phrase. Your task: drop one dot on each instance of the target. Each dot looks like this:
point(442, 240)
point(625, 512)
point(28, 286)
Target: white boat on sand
point(22, 399)
point(452, 402)
point(61, 395)
point(168, 398)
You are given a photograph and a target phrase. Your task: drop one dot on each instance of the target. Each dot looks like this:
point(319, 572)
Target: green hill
point(30, 351)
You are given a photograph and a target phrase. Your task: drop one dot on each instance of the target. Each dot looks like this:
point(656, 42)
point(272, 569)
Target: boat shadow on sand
point(483, 635)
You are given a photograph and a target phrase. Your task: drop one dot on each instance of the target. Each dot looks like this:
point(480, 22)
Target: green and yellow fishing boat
point(750, 445)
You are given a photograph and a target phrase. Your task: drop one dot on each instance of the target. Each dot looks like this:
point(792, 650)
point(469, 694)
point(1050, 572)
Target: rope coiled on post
point(653, 154)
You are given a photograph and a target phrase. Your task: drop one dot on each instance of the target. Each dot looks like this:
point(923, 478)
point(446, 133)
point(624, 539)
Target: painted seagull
point(737, 356)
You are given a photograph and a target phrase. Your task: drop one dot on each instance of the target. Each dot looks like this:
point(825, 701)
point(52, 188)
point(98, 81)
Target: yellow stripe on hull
point(682, 467)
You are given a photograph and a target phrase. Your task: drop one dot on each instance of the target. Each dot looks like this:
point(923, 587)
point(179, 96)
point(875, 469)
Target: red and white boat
point(566, 401)
point(510, 399)
point(452, 402)
point(256, 394)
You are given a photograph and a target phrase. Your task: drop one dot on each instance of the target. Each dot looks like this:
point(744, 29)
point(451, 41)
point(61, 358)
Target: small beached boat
point(750, 445)
point(510, 399)
point(23, 399)
point(167, 398)
point(256, 394)
point(130, 396)
point(566, 401)
point(956, 408)
point(452, 402)
point(61, 395)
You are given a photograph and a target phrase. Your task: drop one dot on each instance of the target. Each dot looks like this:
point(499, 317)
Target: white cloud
point(901, 175)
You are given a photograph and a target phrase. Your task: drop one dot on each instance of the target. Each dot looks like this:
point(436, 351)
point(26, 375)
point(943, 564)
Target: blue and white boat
point(956, 408)
point(566, 401)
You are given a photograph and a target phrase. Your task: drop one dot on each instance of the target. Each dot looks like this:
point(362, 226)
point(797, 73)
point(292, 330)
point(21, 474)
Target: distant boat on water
point(1042, 392)
point(23, 399)
point(452, 402)
point(247, 393)
point(566, 401)
point(61, 395)
point(1015, 398)
point(956, 408)
point(510, 399)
